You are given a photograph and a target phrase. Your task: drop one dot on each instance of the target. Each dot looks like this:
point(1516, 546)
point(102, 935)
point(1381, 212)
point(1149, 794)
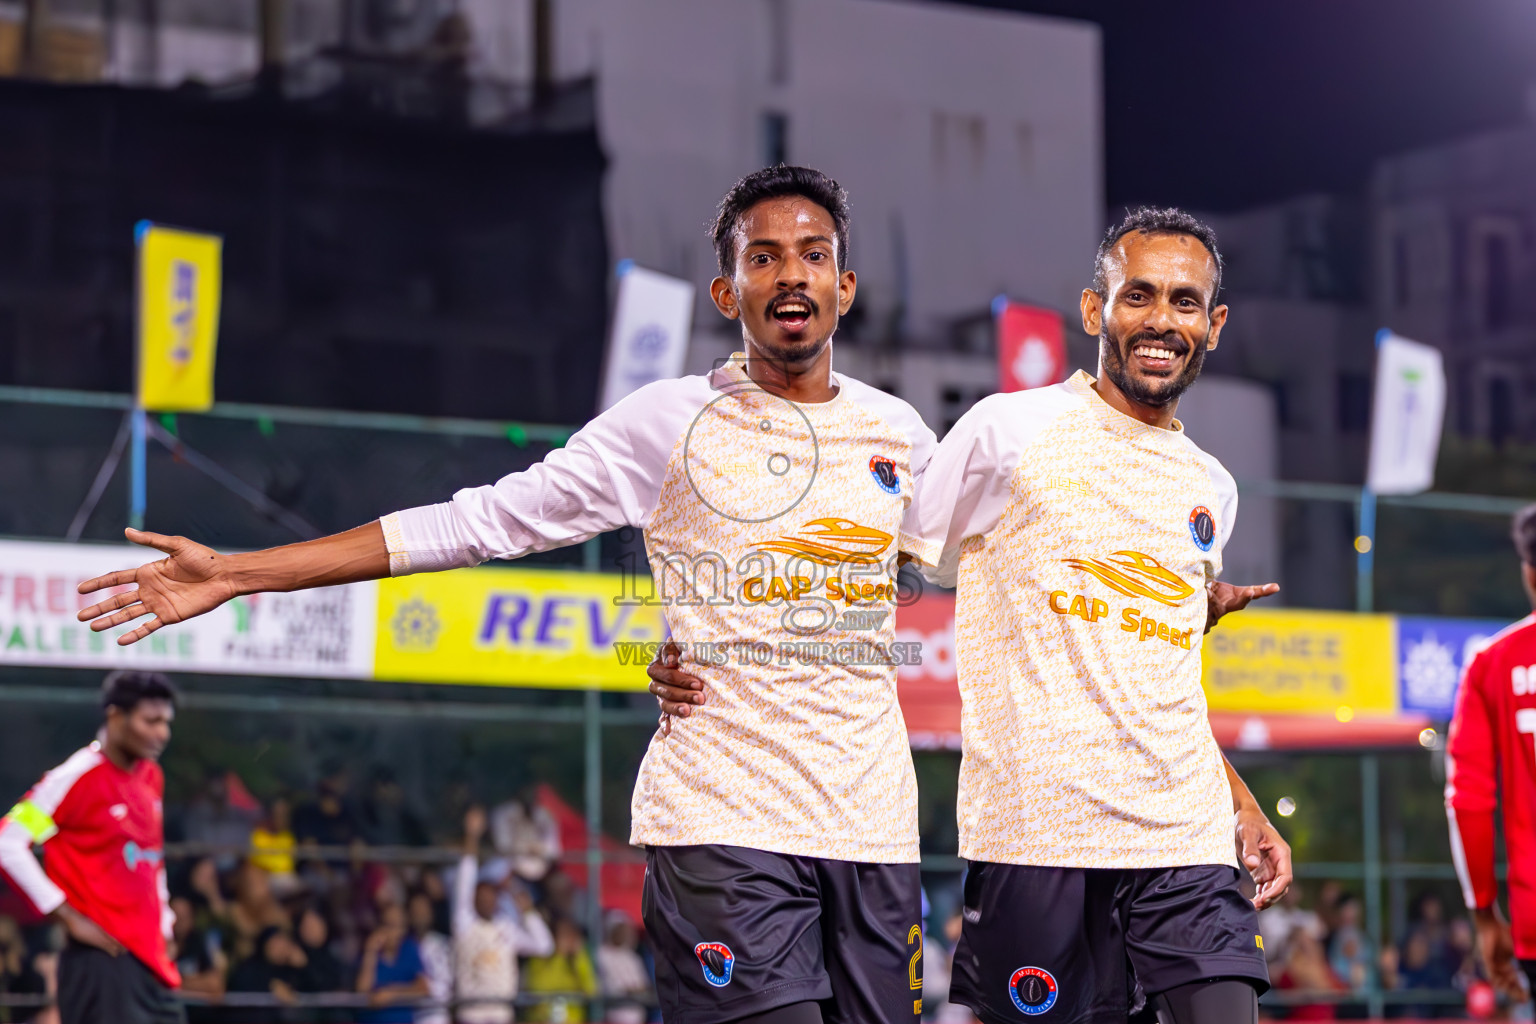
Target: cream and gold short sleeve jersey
point(1080, 541)
point(772, 530)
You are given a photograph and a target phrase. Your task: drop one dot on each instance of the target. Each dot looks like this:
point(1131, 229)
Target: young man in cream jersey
point(1083, 531)
point(781, 824)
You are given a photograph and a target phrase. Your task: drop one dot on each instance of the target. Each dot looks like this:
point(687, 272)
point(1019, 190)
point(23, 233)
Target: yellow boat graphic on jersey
point(1136, 575)
point(831, 541)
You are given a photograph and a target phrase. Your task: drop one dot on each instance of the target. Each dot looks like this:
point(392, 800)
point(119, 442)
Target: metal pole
point(1370, 806)
point(138, 486)
point(594, 745)
point(1365, 544)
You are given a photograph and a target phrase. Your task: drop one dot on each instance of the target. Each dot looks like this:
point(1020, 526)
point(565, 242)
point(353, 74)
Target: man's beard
point(1154, 391)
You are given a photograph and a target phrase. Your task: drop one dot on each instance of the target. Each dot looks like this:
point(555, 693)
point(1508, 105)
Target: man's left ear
point(847, 284)
point(1218, 321)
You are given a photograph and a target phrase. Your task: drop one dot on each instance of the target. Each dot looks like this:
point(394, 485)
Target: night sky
point(1222, 104)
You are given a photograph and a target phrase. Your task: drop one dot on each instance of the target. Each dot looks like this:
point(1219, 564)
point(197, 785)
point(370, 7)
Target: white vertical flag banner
point(1409, 408)
point(651, 322)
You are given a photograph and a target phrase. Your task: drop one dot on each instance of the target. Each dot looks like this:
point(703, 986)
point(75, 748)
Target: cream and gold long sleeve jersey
point(771, 531)
point(1080, 541)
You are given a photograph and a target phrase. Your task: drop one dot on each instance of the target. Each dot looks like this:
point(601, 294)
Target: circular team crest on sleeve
point(884, 472)
point(1202, 527)
point(1033, 990)
point(717, 960)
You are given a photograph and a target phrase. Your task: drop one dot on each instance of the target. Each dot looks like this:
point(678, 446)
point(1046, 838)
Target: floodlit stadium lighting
point(1429, 739)
point(1344, 713)
point(1285, 807)
point(1362, 544)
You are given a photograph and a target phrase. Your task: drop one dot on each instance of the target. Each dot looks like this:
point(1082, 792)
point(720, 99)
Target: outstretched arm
point(193, 578)
point(1224, 598)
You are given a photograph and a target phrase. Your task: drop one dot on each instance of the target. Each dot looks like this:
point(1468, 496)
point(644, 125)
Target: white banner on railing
point(1407, 416)
point(326, 632)
point(651, 321)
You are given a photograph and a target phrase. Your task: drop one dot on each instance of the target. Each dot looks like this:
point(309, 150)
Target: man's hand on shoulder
point(1224, 599)
point(677, 692)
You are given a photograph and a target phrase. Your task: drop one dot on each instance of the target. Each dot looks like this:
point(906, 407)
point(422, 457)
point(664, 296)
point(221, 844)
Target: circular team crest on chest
point(884, 472)
point(1033, 990)
point(717, 960)
point(1202, 527)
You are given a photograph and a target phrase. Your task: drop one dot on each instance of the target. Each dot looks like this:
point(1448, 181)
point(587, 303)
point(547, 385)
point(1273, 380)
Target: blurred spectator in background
point(254, 910)
point(17, 975)
point(1350, 952)
point(563, 898)
point(938, 968)
point(207, 896)
point(323, 970)
point(329, 820)
point(213, 819)
point(626, 984)
point(1278, 920)
point(391, 974)
point(198, 957)
point(436, 955)
point(1306, 970)
point(384, 817)
point(487, 940)
point(527, 835)
point(47, 966)
point(272, 845)
point(1326, 906)
point(1463, 953)
point(276, 968)
point(566, 974)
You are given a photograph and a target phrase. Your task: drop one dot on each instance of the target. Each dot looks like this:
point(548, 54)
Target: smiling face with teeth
point(1155, 322)
point(786, 287)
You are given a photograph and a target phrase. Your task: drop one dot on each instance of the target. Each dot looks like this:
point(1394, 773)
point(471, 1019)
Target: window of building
point(1498, 288)
point(1354, 403)
point(1501, 410)
point(1400, 270)
point(775, 138)
point(778, 42)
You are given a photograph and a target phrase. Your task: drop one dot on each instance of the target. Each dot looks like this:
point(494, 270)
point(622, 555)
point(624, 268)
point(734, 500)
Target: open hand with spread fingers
point(191, 580)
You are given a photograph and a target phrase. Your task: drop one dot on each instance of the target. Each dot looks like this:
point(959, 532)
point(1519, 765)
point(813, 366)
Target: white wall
point(970, 141)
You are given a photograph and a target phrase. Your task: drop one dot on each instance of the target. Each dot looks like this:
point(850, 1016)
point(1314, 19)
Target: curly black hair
point(771, 183)
point(1154, 220)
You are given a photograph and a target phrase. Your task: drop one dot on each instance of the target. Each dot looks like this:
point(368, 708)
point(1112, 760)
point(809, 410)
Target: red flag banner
point(1031, 350)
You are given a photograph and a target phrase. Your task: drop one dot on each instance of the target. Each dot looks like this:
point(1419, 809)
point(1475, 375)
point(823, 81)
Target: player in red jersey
point(98, 818)
point(1492, 747)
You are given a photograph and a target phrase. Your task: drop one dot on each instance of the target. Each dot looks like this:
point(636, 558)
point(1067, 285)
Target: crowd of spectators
point(1318, 948)
point(289, 913)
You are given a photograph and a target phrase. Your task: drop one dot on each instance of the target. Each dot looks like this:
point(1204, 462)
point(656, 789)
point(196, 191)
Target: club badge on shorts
point(884, 472)
point(1033, 990)
point(1202, 527)
point(717, 960)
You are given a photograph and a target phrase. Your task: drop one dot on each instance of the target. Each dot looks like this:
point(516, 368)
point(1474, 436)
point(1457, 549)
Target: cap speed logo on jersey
point(1202, 527)
point(884, 472)
point(717, 960)
point(1032, 990)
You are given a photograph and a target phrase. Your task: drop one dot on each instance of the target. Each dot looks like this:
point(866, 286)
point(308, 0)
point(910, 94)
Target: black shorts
point(95, 987)
point(1088, 945)
point(739, 931)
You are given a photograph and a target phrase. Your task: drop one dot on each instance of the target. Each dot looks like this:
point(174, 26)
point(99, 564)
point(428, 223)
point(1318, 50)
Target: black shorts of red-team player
point(738, 931)
point(1090, 945)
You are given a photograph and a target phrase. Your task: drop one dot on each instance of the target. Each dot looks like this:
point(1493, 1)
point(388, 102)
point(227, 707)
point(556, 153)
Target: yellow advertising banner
point(179, 289)
point(515, 627)
point(1302, 663)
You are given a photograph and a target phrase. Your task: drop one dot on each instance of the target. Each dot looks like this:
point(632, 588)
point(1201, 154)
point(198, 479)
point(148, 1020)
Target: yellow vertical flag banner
point(180, 280)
